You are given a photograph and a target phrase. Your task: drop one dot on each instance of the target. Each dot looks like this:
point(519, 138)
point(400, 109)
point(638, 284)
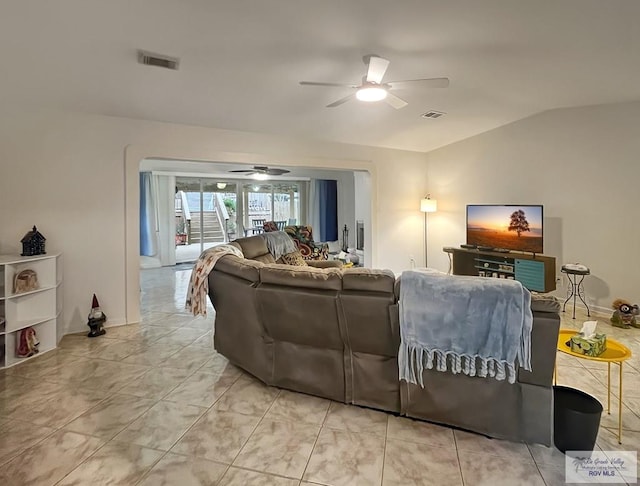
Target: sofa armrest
point(544, 303)
point(544, 343)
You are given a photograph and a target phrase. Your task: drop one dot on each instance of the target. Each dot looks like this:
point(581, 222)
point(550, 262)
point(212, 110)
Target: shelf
point(46, 333)
point(16, 259)
point(535, 272)
point(491, 269)
point(27, 323)
point(30, 292)
point(508, 261)
point(39, 309)
point(498, 265)
point(30, 307)
point(14, 360)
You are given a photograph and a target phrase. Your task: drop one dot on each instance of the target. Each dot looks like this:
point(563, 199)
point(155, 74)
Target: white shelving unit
point(39, 308)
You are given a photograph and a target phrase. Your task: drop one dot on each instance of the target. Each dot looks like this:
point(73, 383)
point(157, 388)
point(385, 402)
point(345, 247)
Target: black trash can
point(576, 419)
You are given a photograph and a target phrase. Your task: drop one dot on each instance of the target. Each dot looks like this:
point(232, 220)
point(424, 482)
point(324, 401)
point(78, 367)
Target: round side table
point(575, 274)
point(616, 353)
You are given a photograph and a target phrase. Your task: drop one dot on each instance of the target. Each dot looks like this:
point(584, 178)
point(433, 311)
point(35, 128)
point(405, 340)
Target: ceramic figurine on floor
point(624, 314)
point(97, 319)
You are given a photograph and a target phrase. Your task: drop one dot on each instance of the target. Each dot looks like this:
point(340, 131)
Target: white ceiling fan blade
point(427, 83)
point(394, 101)
point(338, 85)
point(340, 101)
point(377, 67)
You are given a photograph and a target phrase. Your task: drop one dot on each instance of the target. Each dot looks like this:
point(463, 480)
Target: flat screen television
point(505, 226)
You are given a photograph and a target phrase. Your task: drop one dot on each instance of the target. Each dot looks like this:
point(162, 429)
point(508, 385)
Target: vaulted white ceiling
point(241, 61)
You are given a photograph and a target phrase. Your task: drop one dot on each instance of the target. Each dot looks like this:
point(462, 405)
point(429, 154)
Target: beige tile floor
point(152, 404)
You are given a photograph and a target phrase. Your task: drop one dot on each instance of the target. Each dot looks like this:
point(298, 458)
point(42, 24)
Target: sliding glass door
point(205, 215)
point(279, 202)
point(210, 211)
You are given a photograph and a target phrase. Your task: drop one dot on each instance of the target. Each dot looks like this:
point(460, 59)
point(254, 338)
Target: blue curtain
point(147, 219)
point(327, 197)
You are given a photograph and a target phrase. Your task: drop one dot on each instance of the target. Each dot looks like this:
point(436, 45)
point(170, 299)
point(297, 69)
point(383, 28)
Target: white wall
point(583, 164)
point(362, 212)
point(76, 177)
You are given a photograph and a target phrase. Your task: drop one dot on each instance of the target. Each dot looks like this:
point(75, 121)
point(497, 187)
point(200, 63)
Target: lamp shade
point(428, 205)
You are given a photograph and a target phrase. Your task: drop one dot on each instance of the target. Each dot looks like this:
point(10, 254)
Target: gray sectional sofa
point(334, 333)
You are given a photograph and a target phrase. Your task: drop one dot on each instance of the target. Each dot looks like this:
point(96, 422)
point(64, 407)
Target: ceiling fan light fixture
point(260, 177)
point(371, 93)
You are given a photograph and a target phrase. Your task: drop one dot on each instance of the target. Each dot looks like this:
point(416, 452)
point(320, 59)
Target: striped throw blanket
point(199, 284)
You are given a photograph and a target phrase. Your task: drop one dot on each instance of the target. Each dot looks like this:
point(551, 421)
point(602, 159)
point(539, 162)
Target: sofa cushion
point(239, 267)
point(255, 248)
point(294, 258)
point(324, 263)
point(368, 279)
point(303, 277)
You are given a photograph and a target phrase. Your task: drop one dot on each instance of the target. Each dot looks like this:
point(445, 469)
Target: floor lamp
point(427, 205)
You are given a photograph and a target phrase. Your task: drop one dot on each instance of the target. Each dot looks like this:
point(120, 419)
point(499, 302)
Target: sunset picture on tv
point(504, 226)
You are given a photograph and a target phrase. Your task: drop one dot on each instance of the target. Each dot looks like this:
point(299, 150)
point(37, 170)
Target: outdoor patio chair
point(257, 225)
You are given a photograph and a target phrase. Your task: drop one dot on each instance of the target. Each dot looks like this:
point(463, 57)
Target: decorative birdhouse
point(33, 243)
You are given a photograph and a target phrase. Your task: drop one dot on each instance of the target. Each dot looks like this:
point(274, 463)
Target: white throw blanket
point(471, 325)
point(199, 284)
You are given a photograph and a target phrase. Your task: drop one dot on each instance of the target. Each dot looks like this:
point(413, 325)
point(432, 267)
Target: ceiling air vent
point(432, 114)
point(159, 60)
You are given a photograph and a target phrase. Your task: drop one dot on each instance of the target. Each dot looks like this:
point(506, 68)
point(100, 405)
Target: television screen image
point(511, 227)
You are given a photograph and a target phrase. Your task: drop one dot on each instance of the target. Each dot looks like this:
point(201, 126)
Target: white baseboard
point(594, 310)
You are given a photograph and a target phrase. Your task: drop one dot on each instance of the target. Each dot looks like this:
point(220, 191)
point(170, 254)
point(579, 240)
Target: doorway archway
point(135, 154)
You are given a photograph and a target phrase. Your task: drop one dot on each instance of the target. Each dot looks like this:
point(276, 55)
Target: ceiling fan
point(262, 169)
point(373, 89)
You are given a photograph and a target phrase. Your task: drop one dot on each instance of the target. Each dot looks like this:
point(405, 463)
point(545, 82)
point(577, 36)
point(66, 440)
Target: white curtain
point(148, 220)
point(157, 220)
point(165, 196)
point(313, 209)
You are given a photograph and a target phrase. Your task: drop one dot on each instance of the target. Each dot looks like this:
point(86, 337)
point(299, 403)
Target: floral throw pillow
point(294, 258)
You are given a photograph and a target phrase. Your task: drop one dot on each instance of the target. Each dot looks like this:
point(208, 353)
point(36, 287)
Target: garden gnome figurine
point(97, 319)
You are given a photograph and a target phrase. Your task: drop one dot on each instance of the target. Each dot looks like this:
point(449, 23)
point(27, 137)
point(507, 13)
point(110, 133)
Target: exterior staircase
point(212, 233)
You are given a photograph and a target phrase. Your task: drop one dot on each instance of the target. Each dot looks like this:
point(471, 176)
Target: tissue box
point(593, 346)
